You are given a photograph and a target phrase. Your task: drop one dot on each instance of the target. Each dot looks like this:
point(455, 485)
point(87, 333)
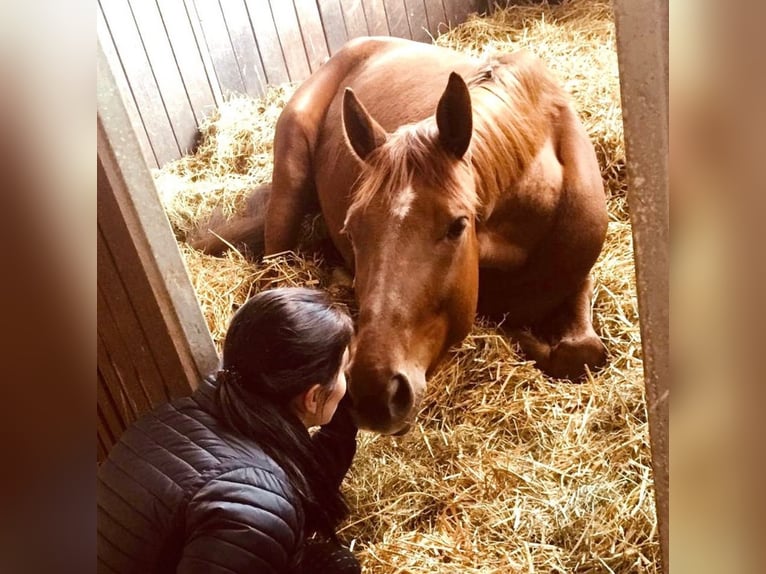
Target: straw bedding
point(507, 470)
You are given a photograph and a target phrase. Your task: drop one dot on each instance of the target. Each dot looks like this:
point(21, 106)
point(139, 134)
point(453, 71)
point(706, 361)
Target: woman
point(229, 479)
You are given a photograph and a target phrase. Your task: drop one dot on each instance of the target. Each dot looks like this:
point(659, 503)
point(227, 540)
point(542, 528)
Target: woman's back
point(180, 492)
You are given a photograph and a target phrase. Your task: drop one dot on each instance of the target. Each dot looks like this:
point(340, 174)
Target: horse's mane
point(513, 100)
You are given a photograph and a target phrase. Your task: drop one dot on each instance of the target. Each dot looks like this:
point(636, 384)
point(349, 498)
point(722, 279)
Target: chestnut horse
point(450, 186)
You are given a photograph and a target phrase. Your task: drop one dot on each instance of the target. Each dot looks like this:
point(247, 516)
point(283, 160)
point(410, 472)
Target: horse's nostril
point(401, 399)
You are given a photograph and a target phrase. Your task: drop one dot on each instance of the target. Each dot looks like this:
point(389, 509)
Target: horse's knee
point(570, 357)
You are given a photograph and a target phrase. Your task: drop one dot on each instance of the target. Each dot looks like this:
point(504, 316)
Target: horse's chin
point(402, 431)
point(395, 431)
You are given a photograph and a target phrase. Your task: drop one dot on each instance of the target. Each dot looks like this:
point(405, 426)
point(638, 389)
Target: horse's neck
point(512, 120)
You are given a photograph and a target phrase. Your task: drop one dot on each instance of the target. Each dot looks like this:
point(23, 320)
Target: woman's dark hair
point(279, 344)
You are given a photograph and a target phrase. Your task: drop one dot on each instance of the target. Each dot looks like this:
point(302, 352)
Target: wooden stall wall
point(153, 342)
point(175, 60)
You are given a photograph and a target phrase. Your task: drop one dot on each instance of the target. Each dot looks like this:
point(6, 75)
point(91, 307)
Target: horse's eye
point(457, 227)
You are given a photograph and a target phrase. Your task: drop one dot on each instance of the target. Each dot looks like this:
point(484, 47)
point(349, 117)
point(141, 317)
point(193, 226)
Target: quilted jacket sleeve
point(242, 521)
point(335, 443)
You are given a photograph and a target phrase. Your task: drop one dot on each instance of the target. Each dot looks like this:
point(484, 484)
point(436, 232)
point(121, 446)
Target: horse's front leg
point(292, 185)
point(565, 343)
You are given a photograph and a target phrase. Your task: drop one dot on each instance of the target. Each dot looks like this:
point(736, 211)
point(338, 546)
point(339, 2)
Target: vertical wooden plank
point(110, 361)
point(105, 39)
point(188, 57)
point(457, 11)
point(219, 46)
point(248, 59)
point(143, 85)
point(104, 433)
point(398, 24)
point(134, 371)
point(114, 423)
point(286, 21)
point(375, 12)
point(262, 24)
point(642, 53)
point(101, 444)
point(165, 70)
point(207, 61)
point(311, 29)
point(416, 15)
point(333, 25)
point(437, 20)
point(353, 15)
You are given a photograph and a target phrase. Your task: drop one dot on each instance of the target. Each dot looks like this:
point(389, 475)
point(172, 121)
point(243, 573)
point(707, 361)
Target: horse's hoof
point(570, 357)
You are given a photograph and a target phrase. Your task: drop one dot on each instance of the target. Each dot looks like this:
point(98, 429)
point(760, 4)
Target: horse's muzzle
point(383, 407)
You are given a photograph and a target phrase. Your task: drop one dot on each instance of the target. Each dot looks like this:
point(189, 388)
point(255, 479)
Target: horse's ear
point(454, 117)
point(363, 132)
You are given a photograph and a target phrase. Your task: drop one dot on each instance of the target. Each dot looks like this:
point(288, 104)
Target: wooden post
point(153, 342)
point(642, 51)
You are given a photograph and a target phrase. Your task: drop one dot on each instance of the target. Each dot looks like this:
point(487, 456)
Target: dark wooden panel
point(375, 12)
point(105, 438)
point(114, 422)
point(290, 37)
point(332, 22)
point(120, 327)
point(245, 48)
point(219, 46)
point(457, 11)
point(398, 23)
point(416, 15)
point(165, 70)
point(266, 36)
point(311, 29)
point(102, 443)
point(100, 448)
point(105, 39)
point(188, 57)
point(111, 373)
point(128, 368)
point(135, 64)
point(353, 16)
point(436, 17)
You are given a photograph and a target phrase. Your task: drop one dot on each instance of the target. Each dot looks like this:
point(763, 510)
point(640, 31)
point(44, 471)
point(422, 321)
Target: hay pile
point(507, 471)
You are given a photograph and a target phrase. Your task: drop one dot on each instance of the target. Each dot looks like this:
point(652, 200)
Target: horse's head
point(412, 226)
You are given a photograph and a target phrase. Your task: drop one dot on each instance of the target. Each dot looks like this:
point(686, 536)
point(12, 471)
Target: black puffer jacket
point(180, 493)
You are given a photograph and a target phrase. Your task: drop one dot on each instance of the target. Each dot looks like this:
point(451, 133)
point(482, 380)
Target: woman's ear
point(311, 402)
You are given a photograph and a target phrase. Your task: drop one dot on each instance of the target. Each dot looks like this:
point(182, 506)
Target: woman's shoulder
point(187, 442)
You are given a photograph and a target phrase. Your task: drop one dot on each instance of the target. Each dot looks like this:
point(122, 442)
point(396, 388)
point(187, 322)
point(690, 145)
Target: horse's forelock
point(412, 156)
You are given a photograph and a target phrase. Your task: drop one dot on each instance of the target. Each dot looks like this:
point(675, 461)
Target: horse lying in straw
point(482, 196)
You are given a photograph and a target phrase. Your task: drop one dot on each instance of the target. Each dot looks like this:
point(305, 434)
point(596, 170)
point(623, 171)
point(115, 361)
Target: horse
point(450, 186)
